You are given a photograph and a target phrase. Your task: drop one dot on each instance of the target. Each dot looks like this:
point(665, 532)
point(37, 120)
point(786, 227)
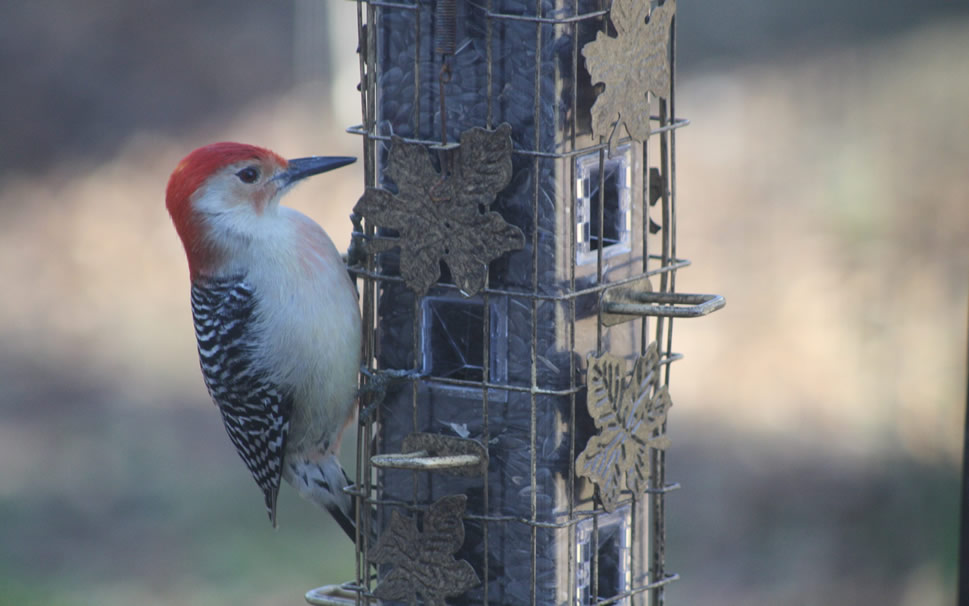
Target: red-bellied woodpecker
point(276, 318)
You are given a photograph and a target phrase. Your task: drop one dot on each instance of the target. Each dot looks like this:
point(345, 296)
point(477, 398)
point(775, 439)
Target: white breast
point(309, 324)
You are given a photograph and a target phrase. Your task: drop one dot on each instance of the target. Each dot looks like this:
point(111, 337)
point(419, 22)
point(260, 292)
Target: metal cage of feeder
point(526, 465)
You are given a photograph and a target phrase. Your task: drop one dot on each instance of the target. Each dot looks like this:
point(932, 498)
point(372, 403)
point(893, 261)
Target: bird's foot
point(357, 253)
point(374, 391)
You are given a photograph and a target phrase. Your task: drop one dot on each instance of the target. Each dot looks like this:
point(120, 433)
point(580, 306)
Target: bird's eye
point(248, 174)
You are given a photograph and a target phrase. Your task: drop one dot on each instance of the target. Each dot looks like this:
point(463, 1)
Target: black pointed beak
point(300, 168)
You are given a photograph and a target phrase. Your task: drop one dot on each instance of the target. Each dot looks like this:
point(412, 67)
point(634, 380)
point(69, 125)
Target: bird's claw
point(357, 252)
point(374, 391)
point(389, 375)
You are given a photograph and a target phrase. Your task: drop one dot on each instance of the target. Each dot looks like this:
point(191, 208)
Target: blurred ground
point(818, 418)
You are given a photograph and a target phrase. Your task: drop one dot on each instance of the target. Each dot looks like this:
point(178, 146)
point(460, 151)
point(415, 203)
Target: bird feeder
point(516, 250)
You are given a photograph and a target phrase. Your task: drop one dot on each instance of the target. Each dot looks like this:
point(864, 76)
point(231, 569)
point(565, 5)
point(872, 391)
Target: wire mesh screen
point(519, 349)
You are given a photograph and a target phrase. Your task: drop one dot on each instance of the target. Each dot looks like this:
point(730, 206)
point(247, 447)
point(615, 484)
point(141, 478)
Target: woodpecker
point(276, 318)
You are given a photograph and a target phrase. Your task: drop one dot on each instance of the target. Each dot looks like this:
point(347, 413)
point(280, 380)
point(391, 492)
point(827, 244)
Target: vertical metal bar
point(573, 195)
point(367, 61)
point(367, 293)
point(599, 324)
point(416, 336)
point(364, 86)
point(600, 235)
point(669, 227)
point(631, 571)
point(489, 24)
point(417, 71)
point(672, 183)
point(372, 18)
point(372, 441)
point(485, 437)
point(635, 512)
point(667, 284)
point(657, 528)
point(485, 417)
point(594, 593)
point(417, 316)
point(485, 379)
point(575, 89)
point(645, 189)
point(536, 178)
point(665, 232)
point(643, 344)
point(605, 28)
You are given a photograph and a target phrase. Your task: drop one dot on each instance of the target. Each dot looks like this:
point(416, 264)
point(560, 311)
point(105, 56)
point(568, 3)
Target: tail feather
point(322, 482)
point(347, 523)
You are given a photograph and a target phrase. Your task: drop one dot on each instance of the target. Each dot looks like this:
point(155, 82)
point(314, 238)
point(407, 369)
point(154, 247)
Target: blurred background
point(817, 427)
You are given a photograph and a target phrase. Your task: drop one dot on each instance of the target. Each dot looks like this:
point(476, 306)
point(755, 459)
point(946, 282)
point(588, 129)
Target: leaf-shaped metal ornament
point(629, 409)
point(630, 65)
point(423, 562)
point(446, 217)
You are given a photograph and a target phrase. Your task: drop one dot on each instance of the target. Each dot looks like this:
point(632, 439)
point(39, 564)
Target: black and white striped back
point(255, 411)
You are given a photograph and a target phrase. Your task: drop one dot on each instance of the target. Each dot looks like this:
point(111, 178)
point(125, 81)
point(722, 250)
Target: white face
point(235, 201)
point(247, 185)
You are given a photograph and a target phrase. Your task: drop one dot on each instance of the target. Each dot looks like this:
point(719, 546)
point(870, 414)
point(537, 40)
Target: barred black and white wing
point(255, 410)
